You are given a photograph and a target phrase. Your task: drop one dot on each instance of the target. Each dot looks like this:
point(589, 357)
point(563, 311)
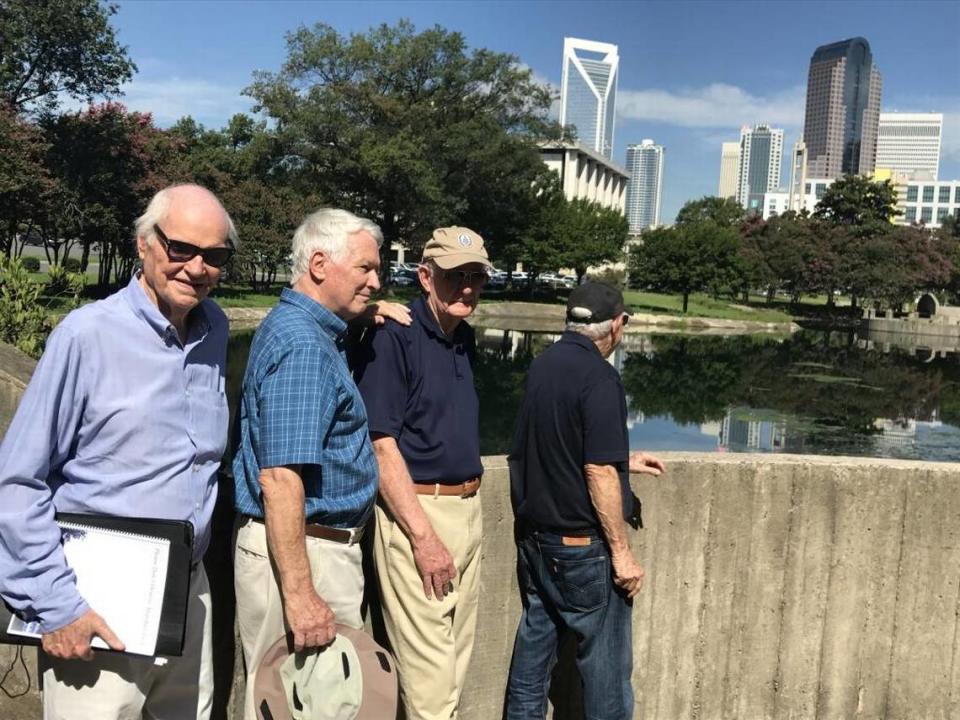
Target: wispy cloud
point(713, 106)
point(170, 99)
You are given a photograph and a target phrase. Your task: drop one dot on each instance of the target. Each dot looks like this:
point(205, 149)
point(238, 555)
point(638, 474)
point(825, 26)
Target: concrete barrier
point(777, 587)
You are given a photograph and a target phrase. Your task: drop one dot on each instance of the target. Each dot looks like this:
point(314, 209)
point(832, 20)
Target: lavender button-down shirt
point(119, 418)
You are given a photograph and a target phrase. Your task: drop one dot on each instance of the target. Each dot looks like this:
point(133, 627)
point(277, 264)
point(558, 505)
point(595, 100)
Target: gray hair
point(327, 230)
point(591, 331)
point(159, 206)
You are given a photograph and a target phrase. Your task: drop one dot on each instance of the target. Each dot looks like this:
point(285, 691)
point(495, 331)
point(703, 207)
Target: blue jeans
point(570, 588)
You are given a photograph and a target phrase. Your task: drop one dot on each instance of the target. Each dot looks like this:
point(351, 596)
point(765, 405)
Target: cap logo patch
point(464, 241)
point(581, 313)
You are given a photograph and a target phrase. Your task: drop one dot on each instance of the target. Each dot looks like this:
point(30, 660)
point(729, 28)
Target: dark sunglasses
point(463, 278)
point(179, 251)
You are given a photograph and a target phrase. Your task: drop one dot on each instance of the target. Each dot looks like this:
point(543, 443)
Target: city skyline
point(683, 81)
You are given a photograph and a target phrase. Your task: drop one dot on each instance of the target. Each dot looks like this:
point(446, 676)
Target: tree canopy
point(59, 46)
point(409, 128)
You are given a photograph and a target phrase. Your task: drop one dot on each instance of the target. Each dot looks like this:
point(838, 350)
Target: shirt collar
point(145, 309)
point(334, 326)
point(424, 315)
point(576, 338)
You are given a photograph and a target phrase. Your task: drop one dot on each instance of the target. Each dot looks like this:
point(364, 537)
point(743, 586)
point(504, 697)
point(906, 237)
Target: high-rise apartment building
point(588, 92)
point(843, 110)
point(729, 161)
point(909, 143)
point(644, 188)
point(758, 169)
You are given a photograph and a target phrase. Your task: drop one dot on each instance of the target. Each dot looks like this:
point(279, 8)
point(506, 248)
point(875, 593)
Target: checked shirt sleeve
point(298, 403)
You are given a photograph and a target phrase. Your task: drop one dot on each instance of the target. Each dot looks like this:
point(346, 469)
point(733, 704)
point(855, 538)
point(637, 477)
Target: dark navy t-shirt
point(574, 413)
point(417, 385)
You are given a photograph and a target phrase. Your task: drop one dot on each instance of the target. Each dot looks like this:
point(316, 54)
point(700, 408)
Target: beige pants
point(129, 687)
point(432, 639)
point(337, 577)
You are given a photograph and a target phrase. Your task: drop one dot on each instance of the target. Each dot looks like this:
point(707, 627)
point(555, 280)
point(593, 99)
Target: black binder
point(173, 615)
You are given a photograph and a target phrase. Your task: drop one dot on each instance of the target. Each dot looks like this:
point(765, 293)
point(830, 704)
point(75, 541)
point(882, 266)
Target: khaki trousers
point(431, 639)
point(337, 577)
point(113, 686)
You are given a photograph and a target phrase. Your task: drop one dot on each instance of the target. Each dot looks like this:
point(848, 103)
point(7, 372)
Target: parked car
point(402, 277)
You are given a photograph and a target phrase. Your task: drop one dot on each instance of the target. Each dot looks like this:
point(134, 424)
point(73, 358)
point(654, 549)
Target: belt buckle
point(353, 536)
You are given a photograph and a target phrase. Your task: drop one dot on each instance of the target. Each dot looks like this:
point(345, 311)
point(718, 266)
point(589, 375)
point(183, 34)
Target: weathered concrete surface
point(15, 371)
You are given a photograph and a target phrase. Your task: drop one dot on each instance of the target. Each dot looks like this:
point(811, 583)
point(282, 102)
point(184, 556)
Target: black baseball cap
point(594, 302)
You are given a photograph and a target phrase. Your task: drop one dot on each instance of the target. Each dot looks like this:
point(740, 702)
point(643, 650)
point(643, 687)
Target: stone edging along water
point(541, 317)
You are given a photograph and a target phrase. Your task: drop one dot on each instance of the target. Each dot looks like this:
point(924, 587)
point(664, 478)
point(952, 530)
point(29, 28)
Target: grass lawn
point(703, 306)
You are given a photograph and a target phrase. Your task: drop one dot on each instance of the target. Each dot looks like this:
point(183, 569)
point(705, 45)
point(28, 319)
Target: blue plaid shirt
point(300, 406)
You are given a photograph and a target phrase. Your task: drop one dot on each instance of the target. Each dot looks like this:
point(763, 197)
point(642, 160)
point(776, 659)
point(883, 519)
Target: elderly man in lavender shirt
point(125, 415)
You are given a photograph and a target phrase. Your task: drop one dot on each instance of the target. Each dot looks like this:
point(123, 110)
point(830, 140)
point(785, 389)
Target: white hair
point(159, 206)
point(327, 230)
point(591, 331)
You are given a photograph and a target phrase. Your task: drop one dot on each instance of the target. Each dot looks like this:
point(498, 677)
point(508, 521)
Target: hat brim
point(448, 262)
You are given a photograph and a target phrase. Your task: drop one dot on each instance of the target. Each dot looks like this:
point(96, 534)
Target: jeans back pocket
point(583, 582)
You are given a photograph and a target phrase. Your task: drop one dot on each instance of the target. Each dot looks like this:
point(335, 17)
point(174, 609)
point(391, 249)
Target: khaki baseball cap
point(452, 247)
point(352, 678)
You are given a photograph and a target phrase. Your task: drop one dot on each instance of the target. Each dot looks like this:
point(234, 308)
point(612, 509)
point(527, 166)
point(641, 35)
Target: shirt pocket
point(209, 418)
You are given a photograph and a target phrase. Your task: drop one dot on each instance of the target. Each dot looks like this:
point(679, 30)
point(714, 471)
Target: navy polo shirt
point(574, 413)
point(417, 385)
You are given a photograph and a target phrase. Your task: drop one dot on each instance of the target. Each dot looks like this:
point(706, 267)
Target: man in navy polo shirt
point(417, 384)
point(572, 499)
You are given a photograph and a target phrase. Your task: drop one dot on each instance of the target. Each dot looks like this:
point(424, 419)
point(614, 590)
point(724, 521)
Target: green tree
point(589, 234)
point(25, 183)
point(410, 129)
point(54, 47)
point(108, 161)
point(685, 259)
point(858, 201)
point(725, 212)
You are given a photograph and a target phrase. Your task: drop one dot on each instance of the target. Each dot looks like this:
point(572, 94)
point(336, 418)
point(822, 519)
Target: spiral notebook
point(134, 572)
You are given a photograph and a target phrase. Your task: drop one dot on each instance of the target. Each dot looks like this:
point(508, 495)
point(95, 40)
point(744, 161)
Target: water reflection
point(816, 392)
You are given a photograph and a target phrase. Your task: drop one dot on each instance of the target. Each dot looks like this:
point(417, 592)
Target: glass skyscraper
point(760, 160)
point(843, 110)
point(588, 92)
point(644, 188)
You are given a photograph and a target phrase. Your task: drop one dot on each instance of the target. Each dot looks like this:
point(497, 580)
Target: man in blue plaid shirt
point(305, 472)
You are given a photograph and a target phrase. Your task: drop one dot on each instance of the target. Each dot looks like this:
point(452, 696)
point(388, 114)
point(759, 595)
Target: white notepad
point(122, 576)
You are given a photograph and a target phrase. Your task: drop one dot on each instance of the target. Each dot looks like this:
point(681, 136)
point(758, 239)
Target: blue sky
point(691, 73)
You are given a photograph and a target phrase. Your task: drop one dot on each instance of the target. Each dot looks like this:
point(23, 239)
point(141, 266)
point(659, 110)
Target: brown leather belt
point(466, 489)
point(323, 532)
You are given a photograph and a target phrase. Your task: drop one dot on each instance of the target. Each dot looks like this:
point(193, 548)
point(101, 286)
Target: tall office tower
point(909, 143)
point(843, 110)
point(644, 188)
point(798, 177)
point(758, 170)
point(588, 92)
point(729, 159)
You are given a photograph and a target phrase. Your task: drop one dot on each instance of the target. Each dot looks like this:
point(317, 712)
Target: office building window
point(821, 189)
point(910, 214)
point(911, 193)
point(928, 193)
point(926, 214)
point(806, 189)
point(942, 213)
point(956, 194)
point(944, 194)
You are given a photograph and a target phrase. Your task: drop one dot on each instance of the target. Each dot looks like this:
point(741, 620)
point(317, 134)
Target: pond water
point(815, 392)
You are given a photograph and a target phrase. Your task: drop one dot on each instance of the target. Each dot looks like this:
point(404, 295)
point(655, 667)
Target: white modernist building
point(588, 92)
point(585, 174)
point(758, 169)
point(645, 186)
point(927, 202)
point(729, 162)
point(909, 143)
